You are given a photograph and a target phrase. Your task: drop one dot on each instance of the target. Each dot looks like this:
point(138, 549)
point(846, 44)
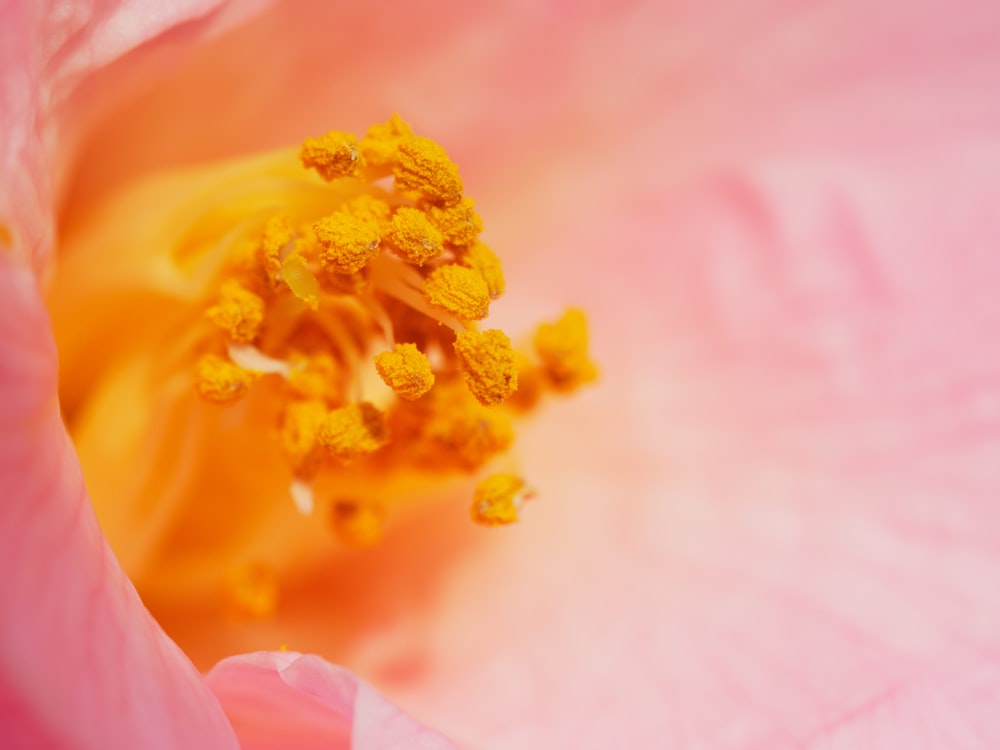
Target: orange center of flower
point(292, 333)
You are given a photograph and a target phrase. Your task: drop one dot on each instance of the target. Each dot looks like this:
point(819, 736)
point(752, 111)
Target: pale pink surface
point(783, 220)
point(281, 700)
point(82, 664)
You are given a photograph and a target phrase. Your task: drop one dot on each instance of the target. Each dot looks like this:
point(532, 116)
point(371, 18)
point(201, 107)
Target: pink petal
point(82, 664)
point(782, 216)
point(281, 700)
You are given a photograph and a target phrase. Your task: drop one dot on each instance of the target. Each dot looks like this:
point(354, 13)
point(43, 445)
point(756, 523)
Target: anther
point(353, 431)
point(413, 237)
point(498, 499)
point(460, 225)
point(406, 370)
point(480, 258)
point(562, 348)
point(487, 362)
point(221, 381)
point(333, 155)
point(348, 242)
point(424, 170)
point(458, 290)
point(239, 312)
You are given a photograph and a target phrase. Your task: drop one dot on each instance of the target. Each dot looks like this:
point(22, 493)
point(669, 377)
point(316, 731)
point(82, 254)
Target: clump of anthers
point(360, 317)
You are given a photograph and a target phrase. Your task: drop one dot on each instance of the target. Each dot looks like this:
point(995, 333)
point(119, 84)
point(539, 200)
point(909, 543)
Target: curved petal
point(82, 664)
point(49, 50)
point(283, 699)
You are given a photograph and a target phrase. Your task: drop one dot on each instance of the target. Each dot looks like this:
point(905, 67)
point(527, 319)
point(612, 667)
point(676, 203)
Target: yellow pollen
point(239, 313)
point(480, 258)
point(299, 431)
point(220, 380)
point(348, 242)
point(275, 240)
point(251, 591)
point(424, 170)
point(357, 524)
point(487, 361)
point(333, 155)
point(381, 142)
point(460, 225)
point(562, 348)
point(497, 500)
point(353, 431)
point(466, 433)
point(413, 237)
point(458, 290)
point(300, 279)
point(406, 370)
point(371, 209)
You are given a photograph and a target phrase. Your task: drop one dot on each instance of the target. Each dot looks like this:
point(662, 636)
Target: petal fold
point(284, 699)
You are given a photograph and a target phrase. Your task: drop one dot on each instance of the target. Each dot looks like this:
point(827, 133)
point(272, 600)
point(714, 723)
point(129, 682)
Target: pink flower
point(773, 525)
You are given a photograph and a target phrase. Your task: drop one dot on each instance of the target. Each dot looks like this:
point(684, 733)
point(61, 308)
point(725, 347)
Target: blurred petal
point(49, 50)
point(280, 700)
point(82, 664)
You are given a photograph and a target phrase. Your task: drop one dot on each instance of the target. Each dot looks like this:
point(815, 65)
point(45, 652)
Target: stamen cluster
point(355, 313)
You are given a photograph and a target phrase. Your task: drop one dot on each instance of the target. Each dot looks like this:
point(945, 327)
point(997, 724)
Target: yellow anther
point(406, 370)
point(466, 433)
point(480, 258)
point(347, 242)
point(562, 348)
point(459, 224)
point(353, 431)
point(274, 243)
point(497, 500)
point(458, 290)
point(369, 208)
point(424, 170)
point(313, 376)
point(251, 591)
point(487, 362)
point(413, 237)
point(299, 429)
point(380, 144)
point(220, 381)
point(239, 312)
point(333, 155)
point(357, 524)
point(295, 272)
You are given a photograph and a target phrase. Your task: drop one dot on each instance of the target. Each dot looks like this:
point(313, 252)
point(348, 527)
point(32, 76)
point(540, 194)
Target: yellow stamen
point(348, 242)
point(239, 313)
point(358, 524)
point(299, 431)
point(424, 170)
point(333, 155)
point(497, 500)
point(413, 237)
point(562, 348)
point(220, 380)
point(380, 144)
point(251, 591)
point(300, 279)
point(275, 240)
point(406, 370)
point(312, 376)
point(464, 432)
point(353, 431)
point(480, 258)
point(460, 225)
point(459, 291)
point(487, 361)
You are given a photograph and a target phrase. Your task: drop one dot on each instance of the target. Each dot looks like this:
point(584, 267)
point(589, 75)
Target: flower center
point(325, 313)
